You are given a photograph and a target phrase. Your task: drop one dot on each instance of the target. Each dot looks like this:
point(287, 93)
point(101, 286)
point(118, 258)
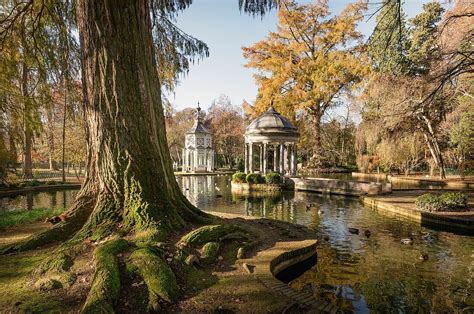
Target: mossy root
point(158, 277)
point(211, 233)
point(106, 284)
point(210, 252)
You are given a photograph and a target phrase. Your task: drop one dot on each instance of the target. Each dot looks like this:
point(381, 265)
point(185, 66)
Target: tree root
point(210, 252)
point(158, 277)
point(106, 284)
point(211, 233)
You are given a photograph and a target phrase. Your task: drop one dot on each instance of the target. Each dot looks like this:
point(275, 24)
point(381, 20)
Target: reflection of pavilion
point(199, 190)
point(275, 139)
point(275, 206)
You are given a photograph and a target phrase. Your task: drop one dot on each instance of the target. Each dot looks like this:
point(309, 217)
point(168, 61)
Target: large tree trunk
point(316, 160)
point(51, 147)
point(129, 183)
point(136, 186)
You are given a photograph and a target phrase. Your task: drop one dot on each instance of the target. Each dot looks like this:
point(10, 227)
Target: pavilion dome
point(271, 122)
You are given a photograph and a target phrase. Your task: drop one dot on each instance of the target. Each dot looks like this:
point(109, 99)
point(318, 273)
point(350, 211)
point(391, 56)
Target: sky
point(225, 30)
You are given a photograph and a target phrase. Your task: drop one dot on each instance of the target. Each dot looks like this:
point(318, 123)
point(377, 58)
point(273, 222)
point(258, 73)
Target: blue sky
point(225, 30)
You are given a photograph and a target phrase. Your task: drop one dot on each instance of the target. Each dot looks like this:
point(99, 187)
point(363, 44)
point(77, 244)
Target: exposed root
point(158, 277)
point(211, 233)
point(210, 252)
point(106, 283)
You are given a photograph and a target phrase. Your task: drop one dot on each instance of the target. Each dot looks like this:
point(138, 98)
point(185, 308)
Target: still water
point(360, 274)
point(36, 200)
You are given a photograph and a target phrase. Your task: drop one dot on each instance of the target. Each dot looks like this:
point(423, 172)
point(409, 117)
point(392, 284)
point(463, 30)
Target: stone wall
point(333, 186)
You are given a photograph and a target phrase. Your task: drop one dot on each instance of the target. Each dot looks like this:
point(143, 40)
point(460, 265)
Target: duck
point(367, 233)
point(407, 241)
point(423, 257)
point(320, 212)
point(308, 208)
point(354, 230)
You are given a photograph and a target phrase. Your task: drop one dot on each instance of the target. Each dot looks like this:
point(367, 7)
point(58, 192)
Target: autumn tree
point(227, 126)
point(177, 124)
point(310, 61)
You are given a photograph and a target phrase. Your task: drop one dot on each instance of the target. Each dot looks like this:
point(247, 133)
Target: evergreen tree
point(388, 42)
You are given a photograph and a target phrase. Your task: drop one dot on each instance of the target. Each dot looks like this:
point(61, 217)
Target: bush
point(445, 202)
point(273, 178)
point(35, 183)
point(255, 178)
point(239, 177)
point(452, 200)
point(51, 182)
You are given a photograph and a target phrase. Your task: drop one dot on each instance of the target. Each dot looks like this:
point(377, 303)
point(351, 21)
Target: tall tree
point(387, 44)
point(309, 62)
point(130, 185)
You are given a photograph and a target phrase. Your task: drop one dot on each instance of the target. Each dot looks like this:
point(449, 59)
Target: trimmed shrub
point(445, 202)
point(273, 178)
point(51, 182)
point(35, 183)
point(453, 200)
point(239, 177)
point(254, 178)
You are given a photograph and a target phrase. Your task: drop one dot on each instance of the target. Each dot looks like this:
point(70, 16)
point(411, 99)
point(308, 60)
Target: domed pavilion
point(270, 144)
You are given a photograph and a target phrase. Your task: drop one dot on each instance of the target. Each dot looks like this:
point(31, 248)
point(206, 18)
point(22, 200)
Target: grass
point(18, 217)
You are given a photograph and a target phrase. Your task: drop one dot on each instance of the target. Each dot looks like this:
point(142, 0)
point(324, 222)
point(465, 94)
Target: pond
point(358, 273)
point(36, 200)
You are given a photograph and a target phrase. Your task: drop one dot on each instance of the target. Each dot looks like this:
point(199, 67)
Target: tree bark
point(316, 158)
point(135, 183)
point(27, 131)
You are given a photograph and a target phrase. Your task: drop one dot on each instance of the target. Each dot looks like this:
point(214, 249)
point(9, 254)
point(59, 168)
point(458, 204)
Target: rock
point(406, 241)
point(192, 260)
point(169, 259)
point(220, 257)
point(354, 230)
point(240, 253)
point(248, 268)
point(367, 233)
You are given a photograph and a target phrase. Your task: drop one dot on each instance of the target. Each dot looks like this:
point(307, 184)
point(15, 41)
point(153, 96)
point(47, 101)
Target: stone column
point(282, 159)
point(260, 159)
point(296, 160)
point(195, 159)
point(293, 158)
point(275, 157)
point(264, 158)
point(285, 162)
point(246, 162)
point(204, 155)
point(250, 157)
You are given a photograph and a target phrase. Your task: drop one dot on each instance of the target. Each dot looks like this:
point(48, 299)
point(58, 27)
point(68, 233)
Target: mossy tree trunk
point(129, 183)
point(132, 172)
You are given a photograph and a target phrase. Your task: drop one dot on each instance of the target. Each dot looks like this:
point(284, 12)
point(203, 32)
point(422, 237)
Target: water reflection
point(359, 273)
point(35, 200)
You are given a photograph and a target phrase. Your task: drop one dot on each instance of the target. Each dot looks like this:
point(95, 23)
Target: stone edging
point(270, 262)
point(422, 217)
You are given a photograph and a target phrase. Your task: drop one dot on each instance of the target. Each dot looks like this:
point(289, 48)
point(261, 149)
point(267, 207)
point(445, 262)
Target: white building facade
point(198, 154)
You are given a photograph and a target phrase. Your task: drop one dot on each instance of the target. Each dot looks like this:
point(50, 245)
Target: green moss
point(211, 233)
point(158, 277)
point(17, 217)
point(210, 252)
point(16, 285)
point(106, 284)
point(149, 237)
